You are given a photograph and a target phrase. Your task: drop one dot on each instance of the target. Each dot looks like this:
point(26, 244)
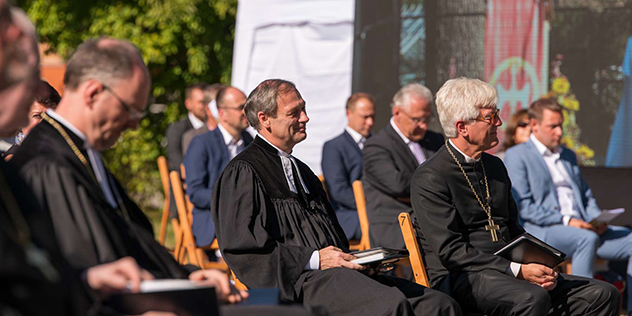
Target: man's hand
point(116, 276)
point(226, 291)
point(538, 274)
point(600, 228)
point(332, 257)
point(578, 223)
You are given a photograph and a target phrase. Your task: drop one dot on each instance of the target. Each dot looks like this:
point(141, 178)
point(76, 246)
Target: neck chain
point(491, 227)
point(83, 159)
point(72, 144)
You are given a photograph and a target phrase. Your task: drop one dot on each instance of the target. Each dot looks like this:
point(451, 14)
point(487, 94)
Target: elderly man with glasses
point(390, 158)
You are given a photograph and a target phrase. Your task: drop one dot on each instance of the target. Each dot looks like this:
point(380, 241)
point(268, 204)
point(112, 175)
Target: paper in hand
point(606, 216)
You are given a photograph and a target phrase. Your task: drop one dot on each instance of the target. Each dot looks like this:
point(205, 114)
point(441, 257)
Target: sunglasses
point(523, 124)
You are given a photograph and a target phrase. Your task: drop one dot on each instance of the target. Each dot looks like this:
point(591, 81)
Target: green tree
point(182, 42)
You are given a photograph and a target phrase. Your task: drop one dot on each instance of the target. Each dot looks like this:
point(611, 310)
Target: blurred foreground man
point(35, 277)
point(276, 228)
point(462, 199)
point(391, 157)
point(342, 161)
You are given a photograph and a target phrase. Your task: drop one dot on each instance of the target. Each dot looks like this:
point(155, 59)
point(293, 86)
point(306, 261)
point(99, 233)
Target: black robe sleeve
point(441, 226)
point(248, 233)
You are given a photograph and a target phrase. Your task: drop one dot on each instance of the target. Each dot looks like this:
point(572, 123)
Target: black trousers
point(347, 292)
point(494, 293)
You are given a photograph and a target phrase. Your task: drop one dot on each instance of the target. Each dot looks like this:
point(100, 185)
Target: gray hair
point(264, 99)
point(402, 97)
point(103, 59)
point(461, 99)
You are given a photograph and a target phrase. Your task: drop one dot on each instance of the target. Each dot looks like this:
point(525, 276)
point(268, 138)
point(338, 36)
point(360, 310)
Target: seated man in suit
point(462, 202)
point(207, 156)
point(342, 161)
point(556, 204)
point(196, 118)
point(391, 157)
point(210, 96)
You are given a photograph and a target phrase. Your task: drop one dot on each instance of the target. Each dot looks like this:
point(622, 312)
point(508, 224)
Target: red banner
point(516, 53)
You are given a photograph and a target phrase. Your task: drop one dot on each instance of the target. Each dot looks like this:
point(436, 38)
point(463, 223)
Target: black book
point(528, 249)
point(181, 297)
point(378, 255)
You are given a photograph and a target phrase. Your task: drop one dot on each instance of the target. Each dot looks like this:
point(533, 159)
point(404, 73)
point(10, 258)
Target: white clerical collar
point(357, 137)
point(468, 159)
point(228, 138)
point(67, 124)
point(543, 150)
point(286, 161)
point(404, 138)
point(196, 122)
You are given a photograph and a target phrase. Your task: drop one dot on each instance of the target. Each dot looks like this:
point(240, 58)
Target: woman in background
point(517, 132)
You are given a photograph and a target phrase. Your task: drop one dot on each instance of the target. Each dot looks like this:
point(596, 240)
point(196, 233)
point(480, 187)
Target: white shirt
point(196, 122)
point(286, 161)
point(357, 137)
point(234, 147)
point(561, 180)
point(514, 266)
point(414, 147)
point(95, 159)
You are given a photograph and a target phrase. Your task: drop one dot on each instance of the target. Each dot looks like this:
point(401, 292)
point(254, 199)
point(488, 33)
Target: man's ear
point(264, 120)
point(91, 89)
point(461, 128)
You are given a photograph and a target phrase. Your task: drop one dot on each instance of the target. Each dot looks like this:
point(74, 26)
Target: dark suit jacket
point(204, 162)
point(174, 142)
point(388, 168)
point(342, 164)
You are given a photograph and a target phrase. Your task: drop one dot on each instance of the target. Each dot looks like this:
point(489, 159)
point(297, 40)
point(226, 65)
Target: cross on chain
point(493, 229)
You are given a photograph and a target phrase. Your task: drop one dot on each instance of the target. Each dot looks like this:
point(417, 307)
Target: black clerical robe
point(89, 230)
point(459, 249)
point(267, 234)
point(25, 289)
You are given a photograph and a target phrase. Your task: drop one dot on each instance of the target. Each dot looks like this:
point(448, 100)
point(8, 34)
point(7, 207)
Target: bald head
point(104, 59)
point(230, 105)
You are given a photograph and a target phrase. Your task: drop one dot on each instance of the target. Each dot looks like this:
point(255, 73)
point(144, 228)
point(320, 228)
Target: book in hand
point(377, 255)
point(182, 297)
point(528, 249)
point(606, 216)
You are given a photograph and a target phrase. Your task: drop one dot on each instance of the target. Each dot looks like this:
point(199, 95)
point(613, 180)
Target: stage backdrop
point(309, 42)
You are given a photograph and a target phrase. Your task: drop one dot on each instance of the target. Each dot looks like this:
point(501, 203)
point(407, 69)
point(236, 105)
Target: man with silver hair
point(462, 200)
point(390, 158)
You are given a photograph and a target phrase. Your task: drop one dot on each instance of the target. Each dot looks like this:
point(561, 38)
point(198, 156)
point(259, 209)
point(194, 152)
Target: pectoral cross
point(493, 229)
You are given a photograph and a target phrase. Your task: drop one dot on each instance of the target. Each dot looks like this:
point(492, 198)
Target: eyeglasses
point(523, 124)
point(491, 118)
point(239, 108)
point(416, 120)
point(134, 114)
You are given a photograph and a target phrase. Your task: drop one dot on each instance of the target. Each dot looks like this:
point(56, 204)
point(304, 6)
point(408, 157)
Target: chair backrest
point(164, 178)
point(189, 205)
point(414, 253)
point(188, 242)
point(358, 192)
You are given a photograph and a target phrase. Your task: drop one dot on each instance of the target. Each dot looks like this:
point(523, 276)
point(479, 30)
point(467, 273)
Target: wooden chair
point(414, 253)
point(363, 243)
point(164, 221)
point(189, 252)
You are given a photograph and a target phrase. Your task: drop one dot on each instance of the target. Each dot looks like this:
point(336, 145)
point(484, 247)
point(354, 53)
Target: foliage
point(561, 92)
point(182, 42)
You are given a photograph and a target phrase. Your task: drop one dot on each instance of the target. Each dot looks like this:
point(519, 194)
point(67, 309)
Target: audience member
point(210, 95)
point(196, 117)
point(209, 153)
point(517, 132)
point(462, 201)
point(276, 227)
point(342, 161)
point(35, 278)
point(391, 157)
point(555, 203)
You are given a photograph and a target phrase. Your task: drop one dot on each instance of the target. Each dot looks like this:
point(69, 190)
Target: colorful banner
point(516, 53)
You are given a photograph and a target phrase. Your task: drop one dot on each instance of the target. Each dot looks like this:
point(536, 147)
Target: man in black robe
point(462, 200)
point(276, 227)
